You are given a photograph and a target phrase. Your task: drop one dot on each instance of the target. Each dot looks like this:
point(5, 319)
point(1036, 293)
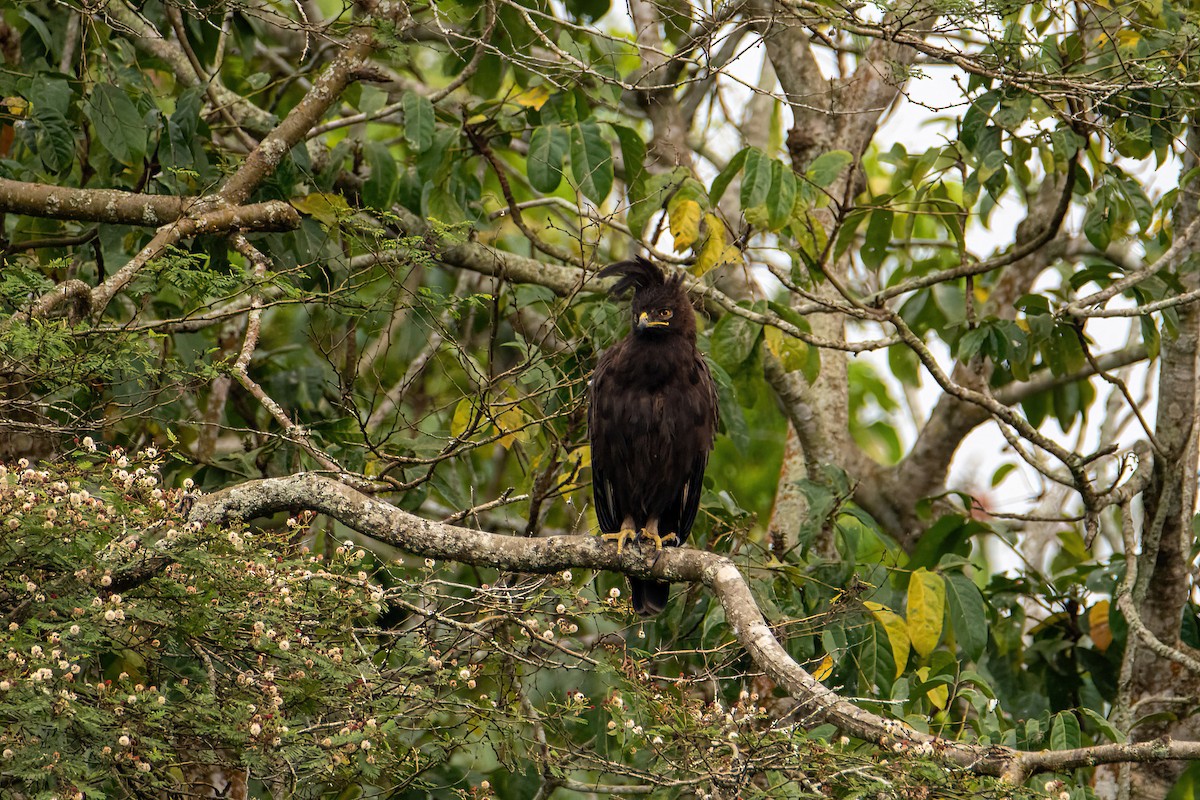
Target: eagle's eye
point(665, 313)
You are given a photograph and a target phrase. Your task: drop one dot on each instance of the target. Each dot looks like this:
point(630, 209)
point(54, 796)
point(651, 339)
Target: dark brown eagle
point(652, 420)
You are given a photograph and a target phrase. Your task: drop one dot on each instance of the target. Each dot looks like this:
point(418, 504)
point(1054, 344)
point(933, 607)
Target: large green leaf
point(591, 161)
point(781, 196)
point(968, 614)
point(547, 149)
point(657, 188)
point(726, 176)
point(733, 341)
point(756, 178)
point(633, 155)
point(418, 121)
point(733, 419)
point(120, 128)
point(380, 186)
point(878, 238)
point(1064, 733)
point(825, 168)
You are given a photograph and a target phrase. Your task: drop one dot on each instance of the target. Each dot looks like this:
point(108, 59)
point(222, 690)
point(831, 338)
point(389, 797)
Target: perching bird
point(652, 420)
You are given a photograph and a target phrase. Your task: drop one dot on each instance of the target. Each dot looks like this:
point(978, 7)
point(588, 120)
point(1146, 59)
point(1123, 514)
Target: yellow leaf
point(981, 294)
point(327, 207)
point(897, 631)
point(464, 413)
point(789, 350)
point(938, 695)
point(714, 246)
point(926, 610)
point(824, 669)
point(533, 97)
point(1098, 626)
point(17, 106)
point(515, 426)
point(685, 223)
point(1128, 38)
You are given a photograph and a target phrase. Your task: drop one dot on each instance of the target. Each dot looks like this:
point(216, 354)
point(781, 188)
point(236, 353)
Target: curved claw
point(659, 541)
point(621, 537)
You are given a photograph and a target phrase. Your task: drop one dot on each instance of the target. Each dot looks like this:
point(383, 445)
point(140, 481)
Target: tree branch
point(90, 205)
point(817, 704)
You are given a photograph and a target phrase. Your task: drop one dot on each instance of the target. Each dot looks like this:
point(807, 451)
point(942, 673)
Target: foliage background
point(415, 314)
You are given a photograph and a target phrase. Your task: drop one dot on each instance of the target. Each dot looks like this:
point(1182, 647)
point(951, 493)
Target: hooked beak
point(644, 322)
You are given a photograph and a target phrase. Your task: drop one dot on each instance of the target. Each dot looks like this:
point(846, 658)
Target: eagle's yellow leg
point(659, 541)
point(651, 532)
point(626, 534)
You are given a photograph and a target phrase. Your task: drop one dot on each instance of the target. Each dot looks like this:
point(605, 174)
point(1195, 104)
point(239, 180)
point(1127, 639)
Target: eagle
point(652, 418)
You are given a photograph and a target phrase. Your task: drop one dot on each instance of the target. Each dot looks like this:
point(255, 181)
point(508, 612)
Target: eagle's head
point(660, 305)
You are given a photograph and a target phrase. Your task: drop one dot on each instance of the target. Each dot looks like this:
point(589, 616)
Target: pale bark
point(816, 704)
point(1153, 682)
point(833, 114)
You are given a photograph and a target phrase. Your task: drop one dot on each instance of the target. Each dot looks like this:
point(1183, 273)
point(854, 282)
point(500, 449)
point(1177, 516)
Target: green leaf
point(732, 418)
point(722, 181)
point(926, 610)
point(878, 238)
point(55, 140)
point(1001, 473)
point(547, 148)
point(904, 364)
point(949, 534)
point(1064, 733)
point(968, 614)
point(825, 168)
point(633, 154)
point(733, 339)
point(1066, 405)
point(782, 195)
point(756, 178)
point(1098, 222)
point(1150, 335)
point(877, 656)
point(380, 187)
point(1013, 111)
point(591, 161)
point(1103, 724)
point(418, 121)
point(119, 127)
point(657, 189)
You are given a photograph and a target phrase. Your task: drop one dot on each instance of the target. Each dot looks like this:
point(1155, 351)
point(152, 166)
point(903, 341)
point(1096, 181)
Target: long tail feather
point(649, 597)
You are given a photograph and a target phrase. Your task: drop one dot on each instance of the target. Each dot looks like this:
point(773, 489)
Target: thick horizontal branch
point(90, 205)
point(130, 208)
point(817, 704)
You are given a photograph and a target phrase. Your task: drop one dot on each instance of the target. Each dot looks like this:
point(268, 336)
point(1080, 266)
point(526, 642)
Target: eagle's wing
point(602, 490)
point(704, 431)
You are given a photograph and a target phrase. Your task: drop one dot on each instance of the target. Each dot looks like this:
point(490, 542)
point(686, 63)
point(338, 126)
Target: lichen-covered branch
point(90, 205)
point(817, 704)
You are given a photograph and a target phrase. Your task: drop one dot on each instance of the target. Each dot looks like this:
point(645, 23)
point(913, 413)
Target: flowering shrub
point(137, 649)
point(142, 653)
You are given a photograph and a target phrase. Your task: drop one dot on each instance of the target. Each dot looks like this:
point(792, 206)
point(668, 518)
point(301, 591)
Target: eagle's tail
point(649, 597)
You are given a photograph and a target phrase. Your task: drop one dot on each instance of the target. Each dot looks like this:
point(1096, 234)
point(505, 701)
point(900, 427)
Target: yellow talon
point(659, 541)
point(622, 536)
